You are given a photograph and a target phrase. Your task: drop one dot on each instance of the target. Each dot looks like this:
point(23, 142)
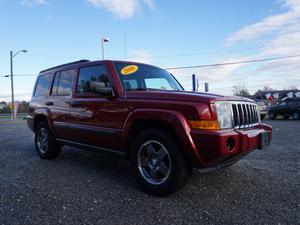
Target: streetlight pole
point(13, 116)
point(103, 39)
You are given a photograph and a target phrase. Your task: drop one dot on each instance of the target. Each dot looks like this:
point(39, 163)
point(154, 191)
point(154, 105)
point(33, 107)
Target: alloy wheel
point(42, 140)
point(154, 162)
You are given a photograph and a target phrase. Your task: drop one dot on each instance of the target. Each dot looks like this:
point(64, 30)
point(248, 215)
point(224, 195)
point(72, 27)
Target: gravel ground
point(82, 187)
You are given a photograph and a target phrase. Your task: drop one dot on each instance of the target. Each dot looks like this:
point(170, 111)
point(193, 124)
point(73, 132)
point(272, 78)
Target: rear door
point(59, 102)
point(282, 108)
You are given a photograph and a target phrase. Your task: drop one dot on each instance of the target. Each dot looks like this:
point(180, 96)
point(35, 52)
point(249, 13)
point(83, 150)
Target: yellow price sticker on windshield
point(129, 69)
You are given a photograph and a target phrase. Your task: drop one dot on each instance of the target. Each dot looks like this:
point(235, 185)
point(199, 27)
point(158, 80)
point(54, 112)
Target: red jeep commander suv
point(141, 113)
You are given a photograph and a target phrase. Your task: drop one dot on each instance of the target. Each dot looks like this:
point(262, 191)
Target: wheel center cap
point(154, 162)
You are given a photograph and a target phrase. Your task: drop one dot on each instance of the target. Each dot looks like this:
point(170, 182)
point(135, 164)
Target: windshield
point(145, 77)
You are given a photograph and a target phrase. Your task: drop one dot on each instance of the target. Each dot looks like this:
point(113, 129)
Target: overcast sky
point(164, 33)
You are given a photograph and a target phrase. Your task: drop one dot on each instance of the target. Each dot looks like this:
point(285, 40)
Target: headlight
point(259, 106)
point(224, 114)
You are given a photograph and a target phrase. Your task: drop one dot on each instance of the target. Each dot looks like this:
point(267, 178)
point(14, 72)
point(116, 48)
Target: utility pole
point(206, 87)
point(194, 82)
point(13, 117)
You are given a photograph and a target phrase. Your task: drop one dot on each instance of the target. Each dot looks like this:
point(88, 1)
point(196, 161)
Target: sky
point(163, 33)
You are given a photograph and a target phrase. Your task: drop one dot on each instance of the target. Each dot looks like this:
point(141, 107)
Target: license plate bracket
point(264, 140)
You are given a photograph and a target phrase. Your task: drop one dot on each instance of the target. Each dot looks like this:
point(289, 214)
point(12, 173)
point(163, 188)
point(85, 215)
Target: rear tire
point(157, 162)
point(45, 144)
point(296, 115)
point(272, 116)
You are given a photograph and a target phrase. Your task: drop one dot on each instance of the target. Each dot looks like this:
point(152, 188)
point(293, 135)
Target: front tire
point(296, 115)
point(157, 162)
point(272, 116)
point(45, 143)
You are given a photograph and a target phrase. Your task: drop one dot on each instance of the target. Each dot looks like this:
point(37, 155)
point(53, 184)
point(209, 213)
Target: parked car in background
point(288, 107)
point(263, 108)
point(141, 113)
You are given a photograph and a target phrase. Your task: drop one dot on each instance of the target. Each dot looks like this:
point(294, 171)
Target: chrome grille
point(244, 114)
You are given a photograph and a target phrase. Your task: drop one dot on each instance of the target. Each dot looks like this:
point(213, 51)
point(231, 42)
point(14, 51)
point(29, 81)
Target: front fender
point(175, 119)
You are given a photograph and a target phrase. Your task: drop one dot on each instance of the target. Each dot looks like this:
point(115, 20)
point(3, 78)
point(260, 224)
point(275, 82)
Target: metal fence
point(7, 116)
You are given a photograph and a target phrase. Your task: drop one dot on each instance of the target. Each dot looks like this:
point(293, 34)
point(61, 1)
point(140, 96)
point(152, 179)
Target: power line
point(200, 66)
point(206, 53)
point(26, 75)
point(159, 56)
point(21, 75)
point(233, 63)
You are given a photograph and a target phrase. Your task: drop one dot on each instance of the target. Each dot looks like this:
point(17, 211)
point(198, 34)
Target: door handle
point(76, 103)
point(49, 103)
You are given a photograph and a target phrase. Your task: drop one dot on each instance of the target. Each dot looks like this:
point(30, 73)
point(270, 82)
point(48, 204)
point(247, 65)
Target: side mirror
point(100, 88)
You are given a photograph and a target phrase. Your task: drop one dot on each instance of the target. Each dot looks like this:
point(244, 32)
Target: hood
point(186, 96)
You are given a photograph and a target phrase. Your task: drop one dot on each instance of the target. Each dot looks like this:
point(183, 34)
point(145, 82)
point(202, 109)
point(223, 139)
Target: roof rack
point(66, 64)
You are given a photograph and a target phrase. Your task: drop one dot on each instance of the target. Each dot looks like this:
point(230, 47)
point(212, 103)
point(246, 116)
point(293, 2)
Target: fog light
point(230, 144)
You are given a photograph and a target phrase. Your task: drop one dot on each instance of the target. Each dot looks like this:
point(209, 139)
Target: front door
point(97, 118)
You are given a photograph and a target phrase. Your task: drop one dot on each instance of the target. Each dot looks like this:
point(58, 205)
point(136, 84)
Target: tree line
point(241, 89)
point(22, 108)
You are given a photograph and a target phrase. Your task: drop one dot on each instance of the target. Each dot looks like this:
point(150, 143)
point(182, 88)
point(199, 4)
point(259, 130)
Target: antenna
point(125, 47)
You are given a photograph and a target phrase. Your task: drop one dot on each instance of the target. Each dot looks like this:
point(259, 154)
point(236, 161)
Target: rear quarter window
point(43, 85)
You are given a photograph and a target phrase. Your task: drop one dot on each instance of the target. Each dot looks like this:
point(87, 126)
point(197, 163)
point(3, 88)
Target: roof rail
point(66, 64)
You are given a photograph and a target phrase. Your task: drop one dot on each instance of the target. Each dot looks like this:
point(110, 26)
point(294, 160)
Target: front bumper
point(221, 147)
point(263, 112)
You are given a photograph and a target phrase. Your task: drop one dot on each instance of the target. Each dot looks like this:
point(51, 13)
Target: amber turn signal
point(205, 124)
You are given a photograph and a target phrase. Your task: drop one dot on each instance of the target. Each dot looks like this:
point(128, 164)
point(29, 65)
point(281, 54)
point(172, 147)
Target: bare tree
point(267, 88)
point(292, 87)
point(240, 90)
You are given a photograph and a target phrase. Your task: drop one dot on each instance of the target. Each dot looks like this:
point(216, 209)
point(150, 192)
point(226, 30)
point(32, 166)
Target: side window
point(55, 84)
point(43, 85)
point(283, 103)
point(63, 82)
point(91, 78)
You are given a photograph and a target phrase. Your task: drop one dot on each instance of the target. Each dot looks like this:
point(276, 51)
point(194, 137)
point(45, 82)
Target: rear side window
point(63, 82)
point(55, 83)
point(92, 76)
point(43, 85)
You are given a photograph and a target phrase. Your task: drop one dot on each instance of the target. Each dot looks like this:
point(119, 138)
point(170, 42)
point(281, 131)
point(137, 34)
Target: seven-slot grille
point(244, 114)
